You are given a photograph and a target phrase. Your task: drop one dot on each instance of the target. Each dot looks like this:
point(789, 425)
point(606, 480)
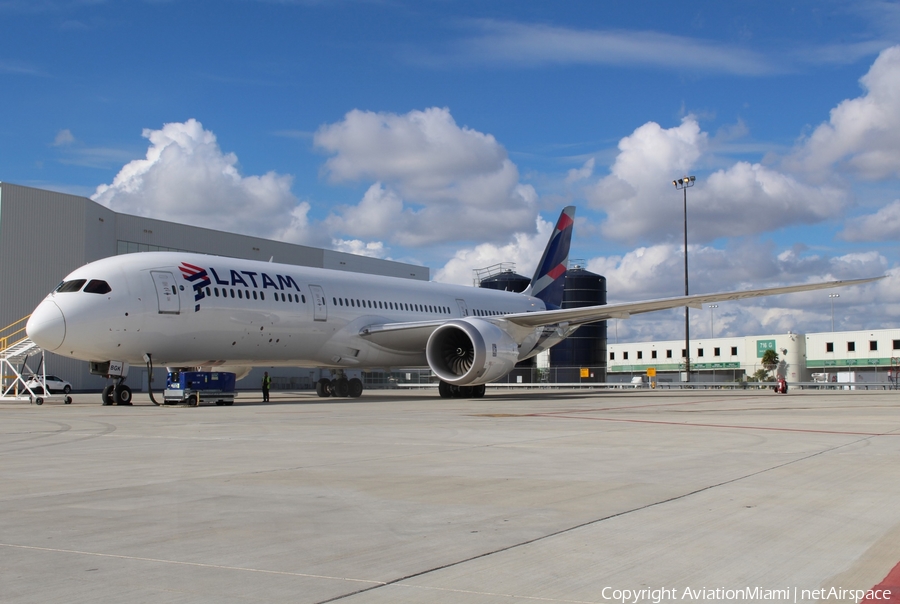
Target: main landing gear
point(340, 386)
point(116, 394)
point(450, 391)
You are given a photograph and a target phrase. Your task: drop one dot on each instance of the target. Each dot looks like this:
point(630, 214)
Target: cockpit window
point(70, 286)
point(96, 286)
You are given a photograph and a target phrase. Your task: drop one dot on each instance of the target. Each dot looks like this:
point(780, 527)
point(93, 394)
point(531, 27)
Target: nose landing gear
point(116, 393)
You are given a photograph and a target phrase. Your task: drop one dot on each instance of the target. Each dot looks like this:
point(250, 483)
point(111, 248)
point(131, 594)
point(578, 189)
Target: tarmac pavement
point(396, 497)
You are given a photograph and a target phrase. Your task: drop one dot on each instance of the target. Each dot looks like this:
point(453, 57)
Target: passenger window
point(97, 287)
point(262, 295)
point(254, 294)
point(232, 293)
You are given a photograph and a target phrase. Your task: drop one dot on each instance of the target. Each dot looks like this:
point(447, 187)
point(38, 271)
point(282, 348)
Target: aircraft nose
point(47, 326)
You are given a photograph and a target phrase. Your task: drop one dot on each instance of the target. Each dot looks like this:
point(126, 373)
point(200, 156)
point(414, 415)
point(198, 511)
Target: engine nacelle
point(470, 352)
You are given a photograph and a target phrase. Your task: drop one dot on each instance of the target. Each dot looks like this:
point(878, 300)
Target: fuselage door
point(166, 292)
point(320, 309)
point(463, 307)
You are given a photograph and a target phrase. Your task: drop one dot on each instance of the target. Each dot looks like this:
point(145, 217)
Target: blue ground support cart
point(195, 387)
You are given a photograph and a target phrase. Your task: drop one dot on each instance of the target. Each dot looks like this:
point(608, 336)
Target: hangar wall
point(44, 235)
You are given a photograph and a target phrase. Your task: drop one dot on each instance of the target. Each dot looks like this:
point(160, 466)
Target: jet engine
point(470, 352)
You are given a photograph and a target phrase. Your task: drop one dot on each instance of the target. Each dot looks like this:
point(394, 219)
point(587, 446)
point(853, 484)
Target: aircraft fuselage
point(199, 310)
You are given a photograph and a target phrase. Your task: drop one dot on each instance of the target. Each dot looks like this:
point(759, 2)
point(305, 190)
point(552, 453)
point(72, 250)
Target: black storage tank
point(586, 348)
point(506, 281)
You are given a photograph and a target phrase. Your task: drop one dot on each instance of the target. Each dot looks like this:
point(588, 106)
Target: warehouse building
point(45, 235)
point(869, 357)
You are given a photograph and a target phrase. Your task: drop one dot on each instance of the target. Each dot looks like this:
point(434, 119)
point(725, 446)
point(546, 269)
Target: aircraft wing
point(589, 314)
point(412, 336)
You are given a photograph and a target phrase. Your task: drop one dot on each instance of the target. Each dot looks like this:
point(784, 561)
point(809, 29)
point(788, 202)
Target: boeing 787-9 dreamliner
point(184, 310)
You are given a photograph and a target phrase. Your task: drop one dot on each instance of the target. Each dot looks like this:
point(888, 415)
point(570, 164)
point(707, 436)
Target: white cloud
point(524, 250)
point(585, 171)
point(373, 249)
point(658, 272)
point(862, 135)
point(435, 181)
point(880, 226)
point(186, 177)
point(523, 44)
point(63, 137)
point(379, 212)
point(745, 199)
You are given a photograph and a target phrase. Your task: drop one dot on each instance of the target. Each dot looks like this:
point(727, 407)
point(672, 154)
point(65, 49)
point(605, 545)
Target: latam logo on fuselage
point(199, 278)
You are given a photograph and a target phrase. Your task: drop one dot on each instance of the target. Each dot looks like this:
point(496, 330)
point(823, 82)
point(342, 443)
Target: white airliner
point(192, 310)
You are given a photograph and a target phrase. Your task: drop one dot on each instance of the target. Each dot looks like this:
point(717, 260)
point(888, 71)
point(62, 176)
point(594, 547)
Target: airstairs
point(15, 350)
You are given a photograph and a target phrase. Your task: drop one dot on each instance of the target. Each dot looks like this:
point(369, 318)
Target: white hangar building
point(868, 355)
point(45, 235)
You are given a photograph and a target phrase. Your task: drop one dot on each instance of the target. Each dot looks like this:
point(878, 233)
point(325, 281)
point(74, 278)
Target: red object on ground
point(892, 583)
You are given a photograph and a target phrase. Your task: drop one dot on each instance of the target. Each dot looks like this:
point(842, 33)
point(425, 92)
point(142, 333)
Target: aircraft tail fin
point(549, 279)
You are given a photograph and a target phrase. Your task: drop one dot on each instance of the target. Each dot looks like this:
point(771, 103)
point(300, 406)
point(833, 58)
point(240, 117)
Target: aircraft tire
point(107, 395)
point(445, 389)
point(38, 401)
point(323, 388)
point(478, 391)
point(341, 387)
point(355, 388)
point(68, 400)
point(122, 395)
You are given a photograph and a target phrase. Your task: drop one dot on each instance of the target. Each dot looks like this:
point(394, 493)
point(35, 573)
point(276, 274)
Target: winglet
point(549, 279)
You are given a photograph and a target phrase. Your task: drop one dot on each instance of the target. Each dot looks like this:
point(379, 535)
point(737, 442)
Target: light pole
point(683, 184)
point(712, 332)
point(833, 296)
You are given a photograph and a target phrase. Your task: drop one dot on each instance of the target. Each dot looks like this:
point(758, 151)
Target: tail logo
point(548, 282)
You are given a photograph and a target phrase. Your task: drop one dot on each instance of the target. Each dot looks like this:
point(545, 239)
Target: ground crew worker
point(266, 384)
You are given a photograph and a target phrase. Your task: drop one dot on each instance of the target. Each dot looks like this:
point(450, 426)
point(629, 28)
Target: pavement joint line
point(630, 407)
point(400, 580)
point(196, 564)
point(699, 425)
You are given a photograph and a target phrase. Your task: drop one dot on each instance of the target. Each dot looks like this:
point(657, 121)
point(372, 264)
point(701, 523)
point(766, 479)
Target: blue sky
point(450, 134)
